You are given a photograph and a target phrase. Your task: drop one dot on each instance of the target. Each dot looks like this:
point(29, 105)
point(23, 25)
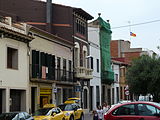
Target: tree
point(143, 76)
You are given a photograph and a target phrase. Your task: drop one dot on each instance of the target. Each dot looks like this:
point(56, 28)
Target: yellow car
point(72, 111)
point(49, 112)
point(77, 100)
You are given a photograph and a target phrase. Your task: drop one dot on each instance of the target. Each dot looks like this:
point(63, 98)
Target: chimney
point(49, 11)
point(49, 15)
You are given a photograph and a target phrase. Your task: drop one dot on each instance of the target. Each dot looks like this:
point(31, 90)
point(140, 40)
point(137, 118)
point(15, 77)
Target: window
point(116, 77)
point(76, 57)
point(112, 95)
point(125, 110)
point(12, 58)
point(70, 65)
point(84, 59)
point(98, 65)
point(97, 96)
point(147, 110)
point(117, 91)
point(91, 58)
point(80, 26)
point(58, 63)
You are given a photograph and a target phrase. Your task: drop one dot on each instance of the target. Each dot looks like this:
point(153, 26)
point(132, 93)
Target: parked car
point(49, 112)
point(72, 110)
point(134, 111)
point(77, 100)
point(16, 116)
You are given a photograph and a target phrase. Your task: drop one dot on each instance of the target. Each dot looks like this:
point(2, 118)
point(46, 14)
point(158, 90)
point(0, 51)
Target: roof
point(16, 35)
point(83, 13)
point(79, 11)
point(33, 28)
point(103, 24)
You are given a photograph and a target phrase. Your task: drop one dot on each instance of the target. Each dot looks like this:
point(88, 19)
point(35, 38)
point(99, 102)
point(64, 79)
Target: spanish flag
point(132, 34)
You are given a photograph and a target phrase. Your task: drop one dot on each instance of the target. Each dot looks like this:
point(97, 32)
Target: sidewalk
point(88, 116)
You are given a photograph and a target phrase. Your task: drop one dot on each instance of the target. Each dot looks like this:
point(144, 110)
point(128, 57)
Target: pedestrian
point(95, 115)
point(100, 113)
point(105, 107)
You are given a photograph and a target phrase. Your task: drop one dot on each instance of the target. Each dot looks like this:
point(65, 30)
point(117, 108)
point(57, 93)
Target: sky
point(125, 13)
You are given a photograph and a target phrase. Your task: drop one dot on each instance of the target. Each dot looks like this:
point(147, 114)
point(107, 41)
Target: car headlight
point(67, 114)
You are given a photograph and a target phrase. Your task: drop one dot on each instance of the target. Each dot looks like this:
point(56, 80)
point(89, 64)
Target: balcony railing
point(50, 73)
point(82, 72)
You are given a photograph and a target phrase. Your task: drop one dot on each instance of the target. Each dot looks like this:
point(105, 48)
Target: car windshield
point(41, 112)
point(66, 107)
point(7, 116)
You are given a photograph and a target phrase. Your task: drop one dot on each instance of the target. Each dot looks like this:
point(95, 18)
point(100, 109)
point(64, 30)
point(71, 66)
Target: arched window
point(85, 53)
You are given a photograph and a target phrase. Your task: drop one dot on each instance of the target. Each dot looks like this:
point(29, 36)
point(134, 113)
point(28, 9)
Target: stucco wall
point(17, 78)
point(44, 45)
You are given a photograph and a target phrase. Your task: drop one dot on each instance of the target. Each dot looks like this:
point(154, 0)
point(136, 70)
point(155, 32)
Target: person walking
point(106, 107)
point(100, 113)
point(95, 115)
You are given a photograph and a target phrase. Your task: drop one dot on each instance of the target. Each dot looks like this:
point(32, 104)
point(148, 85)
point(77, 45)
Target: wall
point(93, 37)
point(10, 77)
point(51, 48)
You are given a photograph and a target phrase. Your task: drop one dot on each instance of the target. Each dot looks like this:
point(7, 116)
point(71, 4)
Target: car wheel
point(71, 118)
point(82, 117)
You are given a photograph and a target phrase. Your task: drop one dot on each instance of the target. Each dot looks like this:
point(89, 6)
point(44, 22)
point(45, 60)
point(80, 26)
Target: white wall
point(14, 78)
point(114, 85)
point(93, 38)
point(11, 77)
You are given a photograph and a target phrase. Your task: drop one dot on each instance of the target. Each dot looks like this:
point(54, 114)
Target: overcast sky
point(120, 12)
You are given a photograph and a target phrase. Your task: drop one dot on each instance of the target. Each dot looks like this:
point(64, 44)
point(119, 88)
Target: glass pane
point(125, 110)
point(146, 110)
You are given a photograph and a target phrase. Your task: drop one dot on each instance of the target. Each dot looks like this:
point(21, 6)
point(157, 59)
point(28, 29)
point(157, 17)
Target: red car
point(134, 111)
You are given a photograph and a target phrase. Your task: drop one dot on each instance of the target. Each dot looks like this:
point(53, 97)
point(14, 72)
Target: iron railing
point(50, 73)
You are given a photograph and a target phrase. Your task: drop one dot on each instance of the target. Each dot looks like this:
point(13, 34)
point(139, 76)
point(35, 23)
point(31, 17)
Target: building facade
point(95, 82)
point(51, 69)
point(14, 67)
point(67, 22)
point(107, 75)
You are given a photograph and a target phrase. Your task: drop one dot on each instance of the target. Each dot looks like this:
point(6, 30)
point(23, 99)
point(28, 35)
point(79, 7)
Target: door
point(15, 96)
point(147, 112)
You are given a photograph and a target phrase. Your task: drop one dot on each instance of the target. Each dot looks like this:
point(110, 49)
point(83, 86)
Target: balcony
point(50, 74)
point(84, 73)
point(107, 77)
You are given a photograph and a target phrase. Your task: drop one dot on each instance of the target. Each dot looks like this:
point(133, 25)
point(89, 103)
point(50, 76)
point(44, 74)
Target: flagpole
point(129, 22)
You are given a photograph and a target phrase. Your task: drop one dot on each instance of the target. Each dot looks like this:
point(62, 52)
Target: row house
point(122, 52)
point(14, 67)
point(118, 86)
point(67, 22)
point(102, 34)
point(51, 69)
point(95, 82)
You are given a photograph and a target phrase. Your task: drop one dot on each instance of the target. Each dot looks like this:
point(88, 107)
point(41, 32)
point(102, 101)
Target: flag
point(132, 34)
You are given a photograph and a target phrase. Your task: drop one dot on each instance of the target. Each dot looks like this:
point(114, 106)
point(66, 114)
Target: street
point(88, 116)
